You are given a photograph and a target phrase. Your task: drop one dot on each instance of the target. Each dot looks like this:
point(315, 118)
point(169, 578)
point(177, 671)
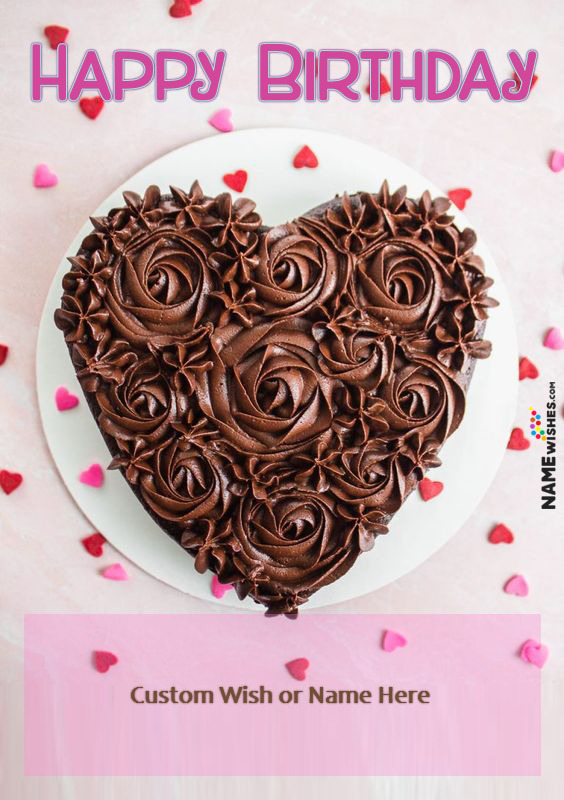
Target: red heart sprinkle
point(236, 180)
point(3, 353)
point(459, 197)
point(91, 106)
point(305, 158)
point(384, 86)
point(180, 8)
point(527, 369)
point(94, 544)
point(429, 489)
point(103, 660)
point(9, 481)
point(56, 35)
point(501, 535)
point(517, 440)
point(518, 81)
point(297, 668)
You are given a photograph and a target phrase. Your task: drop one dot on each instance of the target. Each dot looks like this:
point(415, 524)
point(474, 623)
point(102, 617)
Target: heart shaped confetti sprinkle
point(385, 87)
point(391, 640)
point(534, 652)
point(218, 589)
point(221, 120)
point(236, 180)
point(556, 162)
point(517, 440)
point(459, 197)
point(93, 476)
point(4, 349)
point(9, 481)
point(103, 660)
point(56, 35)
point(180, 8)
point(517, 80)
point(94, 544)
point(517, 585)
point(429, 489)
point(91, 106)
point(115, 572)
point(297, 668)
point(305, 158)
point(527, 369)
point(43, 178)
point(554, 339)
point(64, 400)
point(500, 535)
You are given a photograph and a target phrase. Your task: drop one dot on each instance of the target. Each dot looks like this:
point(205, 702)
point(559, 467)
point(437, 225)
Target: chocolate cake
point(272, 395)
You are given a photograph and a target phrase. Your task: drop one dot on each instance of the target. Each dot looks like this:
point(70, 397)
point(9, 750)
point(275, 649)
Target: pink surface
point(475, 706)
point(499, 151)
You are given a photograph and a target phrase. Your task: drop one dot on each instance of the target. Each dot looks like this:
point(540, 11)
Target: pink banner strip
point(454, 699)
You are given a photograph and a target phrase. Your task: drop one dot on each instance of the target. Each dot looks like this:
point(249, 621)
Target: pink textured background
point(498, 150)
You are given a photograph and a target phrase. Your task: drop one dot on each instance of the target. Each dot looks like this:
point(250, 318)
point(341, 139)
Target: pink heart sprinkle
point(391, 640)
point(221, 120)
point(115, 572)
point(93, 476)
point(103, 660)
point(64, 400)
point(219, 589)
point(43, 178)
point(517, 585)
point(554, 339)
point(534, 653)
point(556, 162)
point(297, 668)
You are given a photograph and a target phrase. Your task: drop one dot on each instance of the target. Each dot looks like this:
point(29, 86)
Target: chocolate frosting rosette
point(142, 406)
point(160, 287)
point(273, 395)
point(400, 284)
point(296, 271)
point(290, 543)
point(187, 481)
point(265, 391)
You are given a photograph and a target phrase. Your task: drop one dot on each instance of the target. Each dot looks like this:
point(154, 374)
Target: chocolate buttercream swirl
point(357, 221)
point(230, 221)
point(296, 271)
point(160, 288)
point(291, 544)
point(420, 396)
point(273, 395)
point(353, 352)
point(107, 362)
point(400, 283)
point(83, 317)
point(188, 481)
point(142, 406)
point(264, 391)
point(370, 476)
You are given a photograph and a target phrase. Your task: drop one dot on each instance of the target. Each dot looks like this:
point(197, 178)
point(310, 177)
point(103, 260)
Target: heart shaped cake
point(272, 395)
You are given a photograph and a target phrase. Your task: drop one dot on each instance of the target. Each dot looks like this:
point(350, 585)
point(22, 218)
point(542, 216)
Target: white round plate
point(470, 457)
